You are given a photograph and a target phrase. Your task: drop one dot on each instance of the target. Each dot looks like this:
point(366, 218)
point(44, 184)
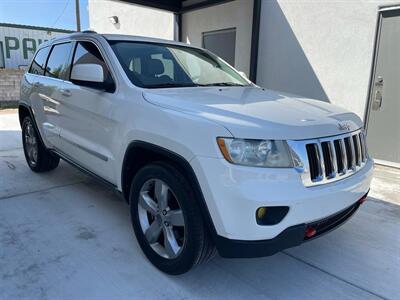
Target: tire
point(39, 159)
point(193, 239)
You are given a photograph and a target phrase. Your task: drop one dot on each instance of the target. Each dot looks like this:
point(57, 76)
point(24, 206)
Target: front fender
point(186, 135)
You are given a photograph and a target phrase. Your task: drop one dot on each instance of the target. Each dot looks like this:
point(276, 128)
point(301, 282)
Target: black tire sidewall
point(24, 125)
point(194, 228)
point(46, 161)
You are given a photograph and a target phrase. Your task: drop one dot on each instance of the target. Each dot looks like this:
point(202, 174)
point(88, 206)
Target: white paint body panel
point(95, 129)
point(251, 112)
point(233, 194)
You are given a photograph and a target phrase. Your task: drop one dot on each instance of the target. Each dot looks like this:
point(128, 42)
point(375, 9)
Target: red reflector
point(362, 200)
point(310, 232)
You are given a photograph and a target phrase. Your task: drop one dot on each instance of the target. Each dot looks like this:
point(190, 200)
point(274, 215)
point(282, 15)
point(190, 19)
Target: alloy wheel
point(161, 218)
point(31, 144)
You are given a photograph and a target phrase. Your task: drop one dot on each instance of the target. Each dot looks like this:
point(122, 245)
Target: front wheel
point(167, 220)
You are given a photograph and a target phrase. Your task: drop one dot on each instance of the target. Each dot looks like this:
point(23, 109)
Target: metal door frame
point(229, 29)
point(381, 9)
point(375, 58)
point(217, 31)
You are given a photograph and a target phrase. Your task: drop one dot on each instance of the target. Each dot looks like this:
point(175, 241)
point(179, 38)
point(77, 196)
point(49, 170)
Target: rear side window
point(88, 53)
point(38, 63)
point(58, 62)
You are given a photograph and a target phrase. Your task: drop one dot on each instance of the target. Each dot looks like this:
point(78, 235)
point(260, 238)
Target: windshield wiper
point(190, 84)
point(170, 85)
point(222, 84)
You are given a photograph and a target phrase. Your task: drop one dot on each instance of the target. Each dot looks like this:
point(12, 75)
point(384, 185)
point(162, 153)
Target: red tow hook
point(363, 198)
point(310, 232)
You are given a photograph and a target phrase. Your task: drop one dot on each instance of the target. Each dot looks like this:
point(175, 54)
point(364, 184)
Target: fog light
point(271, 215)
point(261, 212)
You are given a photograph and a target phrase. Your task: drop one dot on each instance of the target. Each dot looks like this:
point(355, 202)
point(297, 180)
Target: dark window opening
point(39, 61)
point(58, 62)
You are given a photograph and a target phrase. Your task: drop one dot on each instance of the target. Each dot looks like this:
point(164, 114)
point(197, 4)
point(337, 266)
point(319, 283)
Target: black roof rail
point(89, 31)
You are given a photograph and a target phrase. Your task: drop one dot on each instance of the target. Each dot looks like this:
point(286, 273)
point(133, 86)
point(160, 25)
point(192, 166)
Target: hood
point(252, 112)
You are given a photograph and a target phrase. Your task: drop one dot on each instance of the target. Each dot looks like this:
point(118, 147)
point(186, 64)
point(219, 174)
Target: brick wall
point(10, 80)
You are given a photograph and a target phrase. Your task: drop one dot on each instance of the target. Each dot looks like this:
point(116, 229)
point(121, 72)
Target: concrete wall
point(10, 81)
point(238, 14)
point(133, 19)
point(319, 49)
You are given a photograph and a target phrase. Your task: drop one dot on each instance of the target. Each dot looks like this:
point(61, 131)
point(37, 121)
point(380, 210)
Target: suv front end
point(259, 210)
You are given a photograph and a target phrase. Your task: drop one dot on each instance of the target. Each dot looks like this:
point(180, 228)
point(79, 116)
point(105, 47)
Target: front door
point(86, 122)
point(383, 131)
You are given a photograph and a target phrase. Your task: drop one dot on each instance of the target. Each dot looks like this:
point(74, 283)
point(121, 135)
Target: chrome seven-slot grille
point(330, 159)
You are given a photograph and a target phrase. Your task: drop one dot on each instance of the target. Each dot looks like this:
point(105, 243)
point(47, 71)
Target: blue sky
point(47, 13)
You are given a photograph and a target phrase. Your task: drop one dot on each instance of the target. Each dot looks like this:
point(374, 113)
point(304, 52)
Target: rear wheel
point(167, 220)
point(39, 159)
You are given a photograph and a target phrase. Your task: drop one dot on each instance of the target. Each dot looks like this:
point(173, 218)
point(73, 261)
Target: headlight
point(259, 153)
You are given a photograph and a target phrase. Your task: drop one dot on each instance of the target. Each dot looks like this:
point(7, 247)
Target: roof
point(177, 6)
point(35, 27)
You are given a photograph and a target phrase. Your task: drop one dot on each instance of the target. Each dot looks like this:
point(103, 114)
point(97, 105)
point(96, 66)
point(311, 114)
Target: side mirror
point(91, 73)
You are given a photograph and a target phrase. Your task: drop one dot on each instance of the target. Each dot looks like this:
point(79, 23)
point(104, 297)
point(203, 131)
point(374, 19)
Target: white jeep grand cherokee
point(206, 159)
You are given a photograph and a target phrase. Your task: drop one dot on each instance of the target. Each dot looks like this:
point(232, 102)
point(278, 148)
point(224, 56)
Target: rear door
point(31, 86)
point(87, 126)
point(50, 90)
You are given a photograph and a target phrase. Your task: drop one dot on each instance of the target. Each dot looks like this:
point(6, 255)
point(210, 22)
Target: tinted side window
point(88, 53)
point(38, 63)
point(57, 65)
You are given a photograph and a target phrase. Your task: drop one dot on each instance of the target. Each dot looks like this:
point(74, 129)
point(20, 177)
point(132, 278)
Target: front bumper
point(233, 193)
point(290, 237)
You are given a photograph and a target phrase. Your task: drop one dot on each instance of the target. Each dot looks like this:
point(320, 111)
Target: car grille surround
point(328, 159)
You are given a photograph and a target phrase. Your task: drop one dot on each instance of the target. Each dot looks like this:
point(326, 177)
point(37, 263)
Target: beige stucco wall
point(236, 14)
point(320, 49)
point(133, 19)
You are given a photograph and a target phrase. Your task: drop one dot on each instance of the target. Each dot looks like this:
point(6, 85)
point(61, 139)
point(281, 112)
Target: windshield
point(152, 65)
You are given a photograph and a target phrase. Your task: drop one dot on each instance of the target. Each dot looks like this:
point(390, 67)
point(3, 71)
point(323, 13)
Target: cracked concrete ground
point(65, 236)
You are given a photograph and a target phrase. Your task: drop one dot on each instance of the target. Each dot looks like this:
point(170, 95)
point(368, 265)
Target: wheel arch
point(140, 153)
point(23, 112)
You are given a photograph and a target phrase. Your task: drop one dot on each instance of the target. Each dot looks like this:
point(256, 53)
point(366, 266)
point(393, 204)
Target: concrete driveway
point(64, 236)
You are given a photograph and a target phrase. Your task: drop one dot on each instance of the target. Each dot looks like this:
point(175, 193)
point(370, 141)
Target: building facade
point(18, 43)
point(326, 50)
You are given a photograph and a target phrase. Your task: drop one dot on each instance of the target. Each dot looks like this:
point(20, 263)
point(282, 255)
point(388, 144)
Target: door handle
point(36, 84)
point(65, 92)
point(377, 101)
